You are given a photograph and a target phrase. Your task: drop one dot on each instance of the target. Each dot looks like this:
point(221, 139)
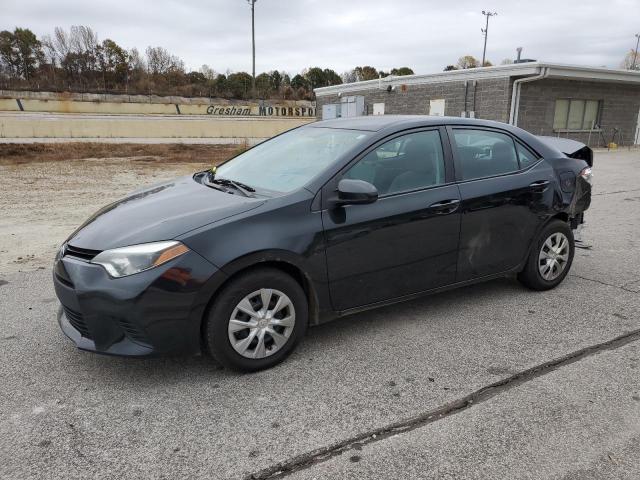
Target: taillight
point(587, 175)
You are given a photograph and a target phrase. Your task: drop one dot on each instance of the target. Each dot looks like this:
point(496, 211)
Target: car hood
point(159, 212)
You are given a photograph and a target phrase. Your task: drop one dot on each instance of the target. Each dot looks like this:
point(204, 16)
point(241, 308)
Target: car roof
point(374, 123)
point(383, 125)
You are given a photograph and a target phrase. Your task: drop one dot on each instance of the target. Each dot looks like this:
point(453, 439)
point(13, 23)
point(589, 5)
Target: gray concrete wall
point(489, 99)
point(224, 129)
point(12, 101)
point(620, 107)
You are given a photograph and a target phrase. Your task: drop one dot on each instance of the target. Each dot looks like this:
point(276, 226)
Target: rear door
point(407, 241)
point(506, 194)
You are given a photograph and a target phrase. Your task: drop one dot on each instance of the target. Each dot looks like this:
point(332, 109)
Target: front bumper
point(158, 311)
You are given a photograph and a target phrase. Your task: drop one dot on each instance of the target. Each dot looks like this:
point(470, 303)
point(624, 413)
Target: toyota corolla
point(324, 220)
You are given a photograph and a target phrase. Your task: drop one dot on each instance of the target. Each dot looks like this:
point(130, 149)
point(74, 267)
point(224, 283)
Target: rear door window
point(483, 153)
point(525, 156)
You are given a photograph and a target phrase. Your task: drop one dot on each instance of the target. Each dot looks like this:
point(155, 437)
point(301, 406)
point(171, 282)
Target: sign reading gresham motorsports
point(262, 110)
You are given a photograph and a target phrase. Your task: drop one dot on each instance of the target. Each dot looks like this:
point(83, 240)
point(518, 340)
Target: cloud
point(293, 34)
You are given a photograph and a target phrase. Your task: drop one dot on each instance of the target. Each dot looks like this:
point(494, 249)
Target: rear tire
point(256, 321)
point(550, 258)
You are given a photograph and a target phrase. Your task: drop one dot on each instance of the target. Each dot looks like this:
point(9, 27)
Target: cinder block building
point(593, 105)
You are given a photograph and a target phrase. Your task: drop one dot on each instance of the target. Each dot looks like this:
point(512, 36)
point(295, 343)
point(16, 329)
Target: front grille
point(133, 332)
point(77, 321)
point(81, 253)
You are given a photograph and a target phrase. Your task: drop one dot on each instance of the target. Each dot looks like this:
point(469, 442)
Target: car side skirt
point(424, 293)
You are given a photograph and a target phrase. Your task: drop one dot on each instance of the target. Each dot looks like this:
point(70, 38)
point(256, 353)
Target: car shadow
point(204, 369)
point(399, 312)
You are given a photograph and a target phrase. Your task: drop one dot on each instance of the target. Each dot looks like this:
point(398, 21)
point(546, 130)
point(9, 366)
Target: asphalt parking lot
point(490, 381)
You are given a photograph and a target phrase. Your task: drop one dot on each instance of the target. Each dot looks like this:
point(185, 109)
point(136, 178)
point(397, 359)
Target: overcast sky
point(340, 34)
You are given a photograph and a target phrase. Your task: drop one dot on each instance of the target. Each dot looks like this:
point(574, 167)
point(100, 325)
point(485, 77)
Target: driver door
point(407, 241)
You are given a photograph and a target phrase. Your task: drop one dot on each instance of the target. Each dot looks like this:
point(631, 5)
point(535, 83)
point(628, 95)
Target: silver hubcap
point(554, 256)
point(261, 323)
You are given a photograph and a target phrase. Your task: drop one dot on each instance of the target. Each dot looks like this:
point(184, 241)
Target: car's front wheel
point(550, 257)
point(256, 320)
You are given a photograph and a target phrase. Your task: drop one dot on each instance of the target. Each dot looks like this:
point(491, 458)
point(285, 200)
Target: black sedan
point(324, 220)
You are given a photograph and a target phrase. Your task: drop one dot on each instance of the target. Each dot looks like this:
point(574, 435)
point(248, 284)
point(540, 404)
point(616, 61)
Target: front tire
point(550, 258)
point(256, 321)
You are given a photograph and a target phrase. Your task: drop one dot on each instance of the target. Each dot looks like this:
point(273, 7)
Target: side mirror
point(355, 192)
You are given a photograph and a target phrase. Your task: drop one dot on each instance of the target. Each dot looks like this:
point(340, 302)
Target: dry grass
point(17, 153)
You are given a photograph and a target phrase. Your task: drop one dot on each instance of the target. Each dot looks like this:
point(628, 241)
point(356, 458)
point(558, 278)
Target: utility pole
point(635, 54)
point(485, 32)
point(253, 45)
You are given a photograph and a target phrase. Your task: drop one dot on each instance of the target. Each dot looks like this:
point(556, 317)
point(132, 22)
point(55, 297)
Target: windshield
point(291, 160)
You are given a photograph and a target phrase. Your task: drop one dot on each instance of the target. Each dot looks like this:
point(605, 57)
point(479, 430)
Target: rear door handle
point(539, 186)
point(445, 207)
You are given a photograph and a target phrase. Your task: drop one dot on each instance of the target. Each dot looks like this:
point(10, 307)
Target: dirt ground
point(46, 191)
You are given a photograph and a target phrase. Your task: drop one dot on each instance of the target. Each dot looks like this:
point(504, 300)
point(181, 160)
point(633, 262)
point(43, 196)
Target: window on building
point(409, 162)
point(484, 154)
point(378, 108)
point(573, 114)
point(437, 107)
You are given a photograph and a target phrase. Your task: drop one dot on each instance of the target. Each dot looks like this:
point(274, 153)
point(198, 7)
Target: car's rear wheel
point(550, 258)
point(256, 320)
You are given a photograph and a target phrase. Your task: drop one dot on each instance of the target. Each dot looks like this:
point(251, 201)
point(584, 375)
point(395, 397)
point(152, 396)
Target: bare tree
point(50, 55)
point(467, 61)
point(208, 72)
point(628, 61)
point(161, 62)
point(61, 42)
point(349, 77)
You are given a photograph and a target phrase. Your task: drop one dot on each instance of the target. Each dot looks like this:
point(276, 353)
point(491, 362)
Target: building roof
point(554, 70)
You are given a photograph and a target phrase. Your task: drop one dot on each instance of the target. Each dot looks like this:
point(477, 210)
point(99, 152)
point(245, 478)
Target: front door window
point(410, 162)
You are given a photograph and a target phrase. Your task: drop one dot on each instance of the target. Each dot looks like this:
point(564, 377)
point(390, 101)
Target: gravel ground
point(68, 414)
point(56, 196)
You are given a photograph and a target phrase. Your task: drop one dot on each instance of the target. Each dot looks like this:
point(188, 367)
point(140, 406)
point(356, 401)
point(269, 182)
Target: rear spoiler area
point(571, 148)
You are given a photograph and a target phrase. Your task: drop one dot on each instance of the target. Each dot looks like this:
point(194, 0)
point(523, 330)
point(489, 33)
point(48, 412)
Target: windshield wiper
point(246, 190)
point(207, 180)
point(211, 180)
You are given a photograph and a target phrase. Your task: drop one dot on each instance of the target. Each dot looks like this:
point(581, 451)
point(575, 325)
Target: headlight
point(124, 261)
point(60, 252)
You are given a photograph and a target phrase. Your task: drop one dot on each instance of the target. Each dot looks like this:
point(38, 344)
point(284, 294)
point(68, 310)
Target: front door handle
point(539, 186)
point(445, 207)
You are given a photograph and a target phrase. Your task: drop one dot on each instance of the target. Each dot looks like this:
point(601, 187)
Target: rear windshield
point(289, 161)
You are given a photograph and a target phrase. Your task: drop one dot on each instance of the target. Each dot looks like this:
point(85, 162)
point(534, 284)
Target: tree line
point(75, 60)
point(631, 61)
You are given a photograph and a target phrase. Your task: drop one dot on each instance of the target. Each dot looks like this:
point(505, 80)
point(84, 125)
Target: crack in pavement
point(320, 455)
point(617, 191)
point(621, 287)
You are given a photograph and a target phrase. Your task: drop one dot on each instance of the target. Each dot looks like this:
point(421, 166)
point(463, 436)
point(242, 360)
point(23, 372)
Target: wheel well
point(285, 267)
point(562, 216)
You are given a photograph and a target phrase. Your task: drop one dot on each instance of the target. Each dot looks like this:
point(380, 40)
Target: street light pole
point(253, 45)
point(485, 32)
point(635, 54)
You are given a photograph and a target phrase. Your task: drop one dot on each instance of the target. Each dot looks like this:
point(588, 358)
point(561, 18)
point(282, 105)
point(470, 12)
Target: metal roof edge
point(593, 73)
point(513, 70)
